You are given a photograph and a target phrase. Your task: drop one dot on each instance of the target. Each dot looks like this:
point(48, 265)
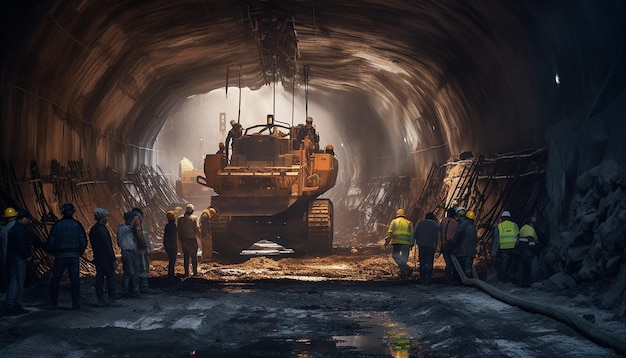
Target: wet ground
point(349, 304)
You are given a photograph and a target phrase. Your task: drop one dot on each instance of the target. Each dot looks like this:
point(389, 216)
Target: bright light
point(557, 79)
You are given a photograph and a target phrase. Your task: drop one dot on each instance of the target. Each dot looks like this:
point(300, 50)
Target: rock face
point(586, 181)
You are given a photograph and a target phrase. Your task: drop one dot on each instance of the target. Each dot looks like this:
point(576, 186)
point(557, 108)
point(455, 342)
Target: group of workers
point(68, 241)
point(456, 235)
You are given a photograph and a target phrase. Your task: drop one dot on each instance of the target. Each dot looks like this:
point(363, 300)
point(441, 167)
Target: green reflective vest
point(507, 234)
point(400, 230)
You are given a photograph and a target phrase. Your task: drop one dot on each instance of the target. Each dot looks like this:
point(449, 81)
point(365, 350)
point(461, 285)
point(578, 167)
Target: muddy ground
point(349, 304)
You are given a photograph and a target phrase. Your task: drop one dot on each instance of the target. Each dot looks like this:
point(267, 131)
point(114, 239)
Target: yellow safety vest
point(507, 234)
point(400, 230)
point(528, 231)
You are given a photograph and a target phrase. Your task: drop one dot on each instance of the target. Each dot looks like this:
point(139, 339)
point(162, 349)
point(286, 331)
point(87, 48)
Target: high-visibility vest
point(507, 234)
point(400, 230)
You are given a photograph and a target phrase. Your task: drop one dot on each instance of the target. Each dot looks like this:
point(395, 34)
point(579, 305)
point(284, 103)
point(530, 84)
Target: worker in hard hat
point(447, 230)
point(527, 246)
point(18, 256)
point(400, 237)
point(329, 149)
point(10, 215)
point(307, 136)
point(170, 237)
point(235, 132)
point(188, 236)
point(465, 241)
point(222, 148)
point(505, 236)
point(103, 257)
point(206, 237)
point(426, 236)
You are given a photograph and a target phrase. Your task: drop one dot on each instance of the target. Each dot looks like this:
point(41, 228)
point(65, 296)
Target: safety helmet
point(212, 212)
point(222, 145)
point(329, 147)
point(171, 215)
point(68, 209)
point(233, 122)
point(309, 119)
point(460, 211)
point(99, 213)
point(400, 212)
point(189, 208)
point(10, 213)
point(470, 215)
point(506, 214)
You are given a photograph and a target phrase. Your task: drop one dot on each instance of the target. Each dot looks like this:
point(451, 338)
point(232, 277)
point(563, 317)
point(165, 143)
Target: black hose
point(586, 328)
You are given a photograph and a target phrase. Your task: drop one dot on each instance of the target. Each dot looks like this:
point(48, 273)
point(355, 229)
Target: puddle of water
point(378, 337)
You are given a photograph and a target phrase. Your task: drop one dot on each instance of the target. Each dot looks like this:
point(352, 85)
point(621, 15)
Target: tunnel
point(395, 86)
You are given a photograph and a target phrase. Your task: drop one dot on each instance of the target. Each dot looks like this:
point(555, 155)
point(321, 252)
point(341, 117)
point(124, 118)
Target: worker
point(399, 236)
point(187, 234)
point(329, 149)
point(308, 131)
point(67, 242)
point(426, 235)
point(170, 235)
point(447, 230)
point(130, 259)
point(206, 237)
point(526, 248)
point(103, 257)
point(10, 216)
point(465, 241)
point(142, 235)
point(222, 148)
point(235, 132)
point(18, 256)
point(505, 236)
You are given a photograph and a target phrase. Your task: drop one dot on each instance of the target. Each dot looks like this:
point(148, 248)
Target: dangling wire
point(239, 110)
point(274, 92)
point(306, 91)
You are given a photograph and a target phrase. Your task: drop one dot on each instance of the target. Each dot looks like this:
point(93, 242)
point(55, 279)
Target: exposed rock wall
point(586, 181)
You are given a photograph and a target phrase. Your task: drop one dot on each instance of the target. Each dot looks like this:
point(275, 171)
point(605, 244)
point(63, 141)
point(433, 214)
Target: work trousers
point(17, 276)
point(58, 268)
point(400, 255)
point(525, 258)
point(171, 258)
point(450, 272)
point(105, 272)
point(466, 263)
point(427, 258)
point(143, 268)
point(505, 258)
point(207, 247)
point(130, 278)
point(190, 251)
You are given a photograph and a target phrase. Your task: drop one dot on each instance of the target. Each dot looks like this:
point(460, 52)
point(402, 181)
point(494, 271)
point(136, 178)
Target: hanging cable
point(306, 90)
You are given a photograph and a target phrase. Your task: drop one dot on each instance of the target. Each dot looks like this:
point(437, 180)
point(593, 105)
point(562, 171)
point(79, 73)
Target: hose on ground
point(586, 328)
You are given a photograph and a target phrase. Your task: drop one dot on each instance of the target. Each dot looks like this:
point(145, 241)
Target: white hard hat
point(309, 119)
point(190, 207)
point(233, 122)
point(459, 209)
point(506, 214)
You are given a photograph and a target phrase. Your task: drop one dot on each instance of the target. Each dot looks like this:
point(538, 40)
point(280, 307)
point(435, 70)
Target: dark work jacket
point(18, 243)
point(67, 238)
point(187, 227)
point(465, 239)
point(169, 236)
point(426, 233)
point(101, 245)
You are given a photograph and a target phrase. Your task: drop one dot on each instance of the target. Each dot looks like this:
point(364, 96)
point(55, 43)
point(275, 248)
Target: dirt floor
point(349, 304)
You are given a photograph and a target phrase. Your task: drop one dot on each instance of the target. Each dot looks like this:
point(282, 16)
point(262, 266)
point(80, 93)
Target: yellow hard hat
point(329, 147)
point(171, 215)
point(400, 212)
point(470, 215)
point(222, 144)
point(212, 212)
point(9, 213)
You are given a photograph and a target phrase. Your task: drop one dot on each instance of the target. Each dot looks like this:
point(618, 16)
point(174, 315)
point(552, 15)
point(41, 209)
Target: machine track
point(320, 227)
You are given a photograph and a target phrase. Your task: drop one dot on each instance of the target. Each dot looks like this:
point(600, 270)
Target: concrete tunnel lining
point(103, 77)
